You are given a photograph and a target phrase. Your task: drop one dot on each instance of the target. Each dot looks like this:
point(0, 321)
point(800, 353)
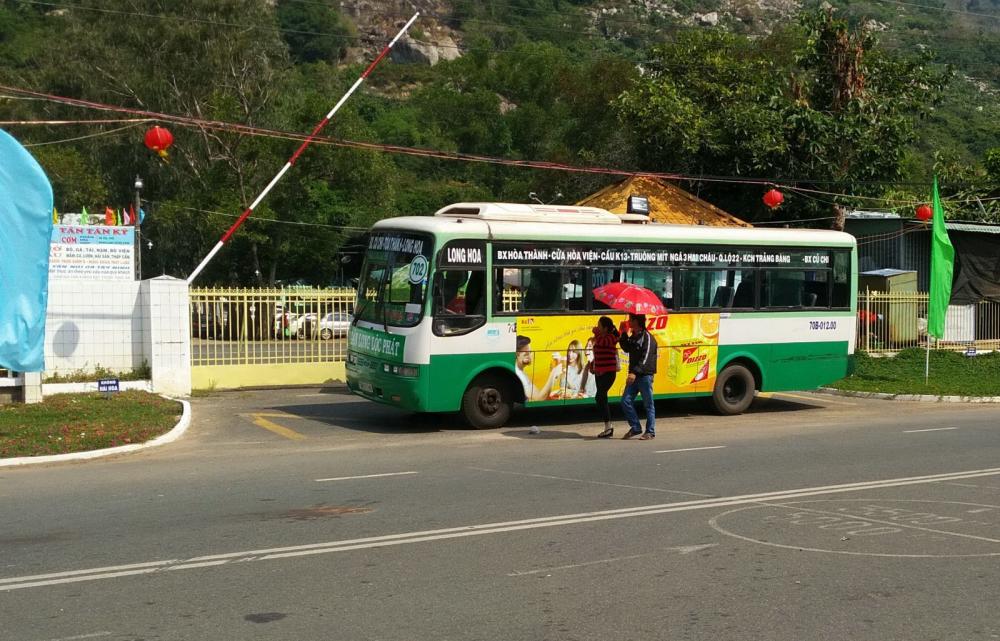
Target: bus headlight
point(405, 370)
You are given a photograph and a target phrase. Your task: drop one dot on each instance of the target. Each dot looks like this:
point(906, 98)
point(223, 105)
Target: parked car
point(330, 325)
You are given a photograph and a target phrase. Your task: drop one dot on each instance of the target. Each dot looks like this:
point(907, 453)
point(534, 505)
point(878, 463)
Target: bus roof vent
point(515, 212)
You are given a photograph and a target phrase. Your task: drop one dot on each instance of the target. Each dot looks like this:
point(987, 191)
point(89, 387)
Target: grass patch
point(952, 374)
point(141, 373)
point(80, 422)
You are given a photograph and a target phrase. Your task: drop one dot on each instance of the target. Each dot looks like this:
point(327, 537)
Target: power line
point(788, 183)
point(264, 220)
point(94, 135)
point(89, 121)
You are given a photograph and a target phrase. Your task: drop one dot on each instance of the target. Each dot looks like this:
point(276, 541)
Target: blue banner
point(25, 230)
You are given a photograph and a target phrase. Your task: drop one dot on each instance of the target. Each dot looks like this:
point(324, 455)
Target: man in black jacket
point(641, 349)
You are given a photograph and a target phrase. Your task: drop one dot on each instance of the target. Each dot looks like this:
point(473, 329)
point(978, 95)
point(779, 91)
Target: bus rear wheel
point(487, 402)
point(734, 389)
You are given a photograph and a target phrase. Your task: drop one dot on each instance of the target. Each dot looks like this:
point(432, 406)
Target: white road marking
point(139, 566)
point(899, 524)
point(978, 487)
point(92, 635)
point(690, 449)
point(365, 476)
point(406, 538)
point(930, 429)
point(564, 478)
point(577, 565)
point(680, 549)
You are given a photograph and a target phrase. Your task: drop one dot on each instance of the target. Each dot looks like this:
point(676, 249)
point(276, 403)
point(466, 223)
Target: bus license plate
point(367, 387)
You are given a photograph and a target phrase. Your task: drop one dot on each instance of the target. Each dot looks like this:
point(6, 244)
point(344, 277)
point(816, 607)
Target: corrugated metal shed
point(980, 228)
point(667, 203)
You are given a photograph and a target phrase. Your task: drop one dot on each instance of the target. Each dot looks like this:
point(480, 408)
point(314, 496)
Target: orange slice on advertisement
point(709, 325)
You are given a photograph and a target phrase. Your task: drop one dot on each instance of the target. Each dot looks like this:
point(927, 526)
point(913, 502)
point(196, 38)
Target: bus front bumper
point(393, 384)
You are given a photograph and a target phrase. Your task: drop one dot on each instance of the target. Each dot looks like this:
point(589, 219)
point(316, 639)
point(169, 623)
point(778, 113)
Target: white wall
point(94, 324)
point(120, 325)
point(167, 334)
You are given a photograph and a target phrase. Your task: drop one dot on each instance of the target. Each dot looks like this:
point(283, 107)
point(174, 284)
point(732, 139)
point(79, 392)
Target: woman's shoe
point(608, 433)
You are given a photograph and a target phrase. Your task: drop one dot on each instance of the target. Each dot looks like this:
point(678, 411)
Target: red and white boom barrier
point(298, 152)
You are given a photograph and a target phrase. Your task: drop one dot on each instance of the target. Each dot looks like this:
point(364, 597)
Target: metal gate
point(892, 321)
point(263, 337)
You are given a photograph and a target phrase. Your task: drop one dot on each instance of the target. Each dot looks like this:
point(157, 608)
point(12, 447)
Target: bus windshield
point(394, 279)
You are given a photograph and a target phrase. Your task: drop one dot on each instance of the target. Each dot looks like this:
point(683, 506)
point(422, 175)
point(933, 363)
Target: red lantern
point(159, 140)
point(924, 213)
point(773, 198)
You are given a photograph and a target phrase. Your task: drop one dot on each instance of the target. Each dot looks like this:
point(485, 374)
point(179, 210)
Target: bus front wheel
point(487, 402)
point(734, 389)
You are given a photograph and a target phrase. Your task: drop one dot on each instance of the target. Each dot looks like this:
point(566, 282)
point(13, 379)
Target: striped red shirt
point(605, 353)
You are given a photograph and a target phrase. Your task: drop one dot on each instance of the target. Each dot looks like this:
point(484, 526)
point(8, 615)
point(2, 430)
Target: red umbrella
point(630, 298)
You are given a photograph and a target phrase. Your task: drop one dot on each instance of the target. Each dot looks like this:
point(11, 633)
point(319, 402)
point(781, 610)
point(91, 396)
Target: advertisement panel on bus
point(553, 353)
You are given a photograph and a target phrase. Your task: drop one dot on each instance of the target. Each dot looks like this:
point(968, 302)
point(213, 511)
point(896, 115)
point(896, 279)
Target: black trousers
point(604, 383)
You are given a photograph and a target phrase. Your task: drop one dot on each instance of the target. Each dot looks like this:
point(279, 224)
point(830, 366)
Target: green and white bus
point(487, 305)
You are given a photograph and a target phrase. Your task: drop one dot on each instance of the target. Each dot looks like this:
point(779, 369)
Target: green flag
point(942, 269)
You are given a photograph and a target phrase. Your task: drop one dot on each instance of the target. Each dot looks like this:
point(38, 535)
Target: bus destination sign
point(463, 253)
point(537, 254)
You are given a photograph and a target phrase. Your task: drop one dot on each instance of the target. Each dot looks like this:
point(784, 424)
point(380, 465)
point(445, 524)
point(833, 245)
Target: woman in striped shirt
point(605, 368)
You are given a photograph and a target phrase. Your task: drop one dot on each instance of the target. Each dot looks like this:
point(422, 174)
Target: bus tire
point(487, 402)
point(734, 390)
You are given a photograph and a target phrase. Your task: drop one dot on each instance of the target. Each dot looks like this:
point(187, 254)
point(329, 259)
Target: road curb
point(924, 398)
point(171, 436)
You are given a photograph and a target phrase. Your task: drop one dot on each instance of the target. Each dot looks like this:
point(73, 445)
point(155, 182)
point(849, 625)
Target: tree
point(314, 32)
point(818, 102)
point(74, 179)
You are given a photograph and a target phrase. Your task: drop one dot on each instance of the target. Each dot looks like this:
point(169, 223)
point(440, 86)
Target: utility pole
point(138, 230)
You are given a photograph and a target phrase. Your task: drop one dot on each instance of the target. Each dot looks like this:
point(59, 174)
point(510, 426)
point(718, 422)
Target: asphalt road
point(300, 514)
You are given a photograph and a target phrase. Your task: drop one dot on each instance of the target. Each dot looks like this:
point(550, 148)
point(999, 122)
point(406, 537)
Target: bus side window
point(724, 295)
point(598, 278)
point(508, 291)
point(710, 288)
point(841, 279)
point(791, 288)
point(659, 280)
point(817, 289)
point(459, 301)
point(744, 296)
point(543, 290)
point(475, 293)
point(573, 298)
